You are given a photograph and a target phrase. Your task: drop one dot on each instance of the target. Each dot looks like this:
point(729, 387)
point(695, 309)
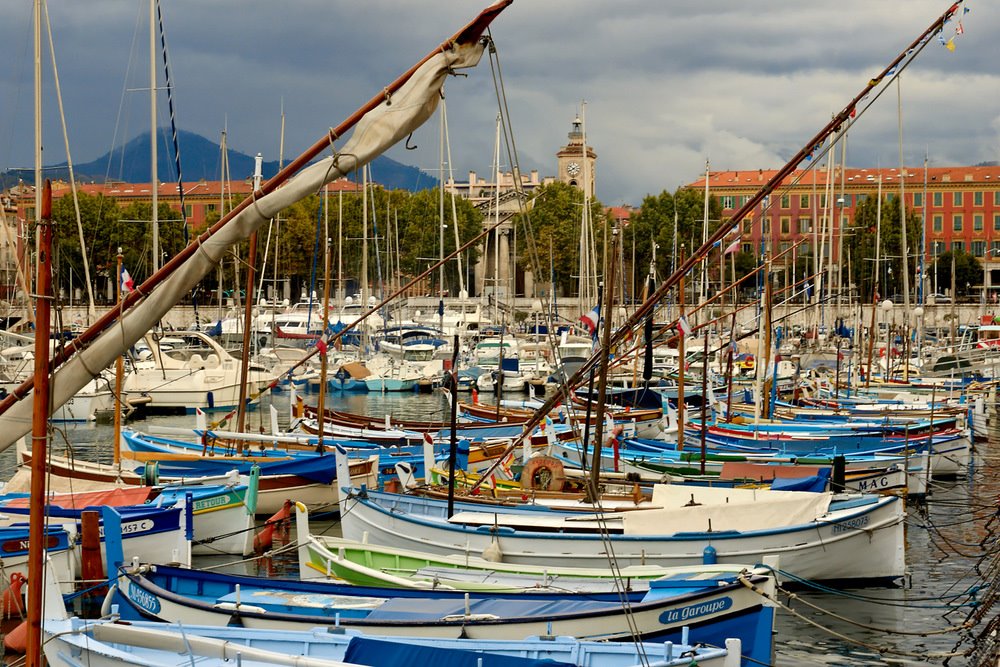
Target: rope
point(881, 650)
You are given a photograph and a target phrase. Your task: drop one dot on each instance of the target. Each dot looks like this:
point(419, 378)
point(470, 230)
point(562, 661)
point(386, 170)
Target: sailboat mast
point(704, 238)
point(119, 373)
point(902, 218)
point(441, 221)
point(241, 409)
point(154, 185)
point(39, 433)
point(364, 237)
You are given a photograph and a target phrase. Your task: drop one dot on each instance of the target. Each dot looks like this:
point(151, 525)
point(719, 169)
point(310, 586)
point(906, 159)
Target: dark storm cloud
point(667, 84)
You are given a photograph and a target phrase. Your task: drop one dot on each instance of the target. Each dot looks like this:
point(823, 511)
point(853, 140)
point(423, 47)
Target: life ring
point(543, 473)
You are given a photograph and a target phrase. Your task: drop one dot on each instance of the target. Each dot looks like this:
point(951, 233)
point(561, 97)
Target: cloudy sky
point(667, 85)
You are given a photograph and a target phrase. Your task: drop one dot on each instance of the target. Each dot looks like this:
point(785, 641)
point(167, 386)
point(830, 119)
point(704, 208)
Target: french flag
point(590, 319)
point(127, 284)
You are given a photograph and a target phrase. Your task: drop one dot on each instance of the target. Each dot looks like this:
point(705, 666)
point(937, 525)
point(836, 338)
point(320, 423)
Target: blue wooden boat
point(74, 642)
point(714, 609)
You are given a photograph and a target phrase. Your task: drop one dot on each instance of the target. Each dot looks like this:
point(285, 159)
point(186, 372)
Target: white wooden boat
point(856, 537)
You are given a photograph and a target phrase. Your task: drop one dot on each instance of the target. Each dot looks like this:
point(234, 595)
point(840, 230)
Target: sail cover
point(394, 118)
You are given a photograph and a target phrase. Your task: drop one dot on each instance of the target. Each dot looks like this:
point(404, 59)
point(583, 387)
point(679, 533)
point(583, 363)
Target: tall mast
point(41, 407)
point(704, 237)
point(902, 214)
point(364, 236)
point(241, 408)
point(441, 221)
point(154, 185)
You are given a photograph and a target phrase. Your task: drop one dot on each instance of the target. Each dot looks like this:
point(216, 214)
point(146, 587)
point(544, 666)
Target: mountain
point(200, 159)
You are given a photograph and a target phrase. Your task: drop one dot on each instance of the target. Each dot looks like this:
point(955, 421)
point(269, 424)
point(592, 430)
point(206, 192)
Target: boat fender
point(13, 606)
point(543, 473)
point(493, 553)
point(16, 641)
point(709, 556)
point(151, 473)
point(108, 606)
point(276, 525)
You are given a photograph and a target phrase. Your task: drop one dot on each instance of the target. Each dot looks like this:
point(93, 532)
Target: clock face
point(573, 169)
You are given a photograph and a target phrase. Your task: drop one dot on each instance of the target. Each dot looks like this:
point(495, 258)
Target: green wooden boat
point(364, 564)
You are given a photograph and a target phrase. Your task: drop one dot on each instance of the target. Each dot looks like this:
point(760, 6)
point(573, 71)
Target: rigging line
point(176, 140)
point(523, 209)
point(69, 162)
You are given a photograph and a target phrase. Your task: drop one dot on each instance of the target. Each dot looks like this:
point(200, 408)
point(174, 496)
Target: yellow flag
point(950, 44)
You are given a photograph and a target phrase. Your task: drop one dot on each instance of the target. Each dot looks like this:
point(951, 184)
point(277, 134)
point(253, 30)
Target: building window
point(803, 201)
point(938, 223)
point(937, 248)
point(747, 225)
point(846, 203)
point(956, 222)
point(977, 198)
point(805, 225)
point(938, 199)
point(978, 248)
point(861, 198)
point(996, 222)
point(918, 199)
point(785, 246)
point(746, 247)
point(786, 201)
point(210, 208)
point(996, 198)
point(956, 198)
point(994, 248)
point(744, 200)
point(786, 225)
point(822, 200)
point(977, 222)
point(727, 201)
point(187, 210)
point(958, 246)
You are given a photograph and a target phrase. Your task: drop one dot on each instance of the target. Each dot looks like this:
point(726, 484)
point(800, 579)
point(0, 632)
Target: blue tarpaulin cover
point(365, 651)
point(815, 483)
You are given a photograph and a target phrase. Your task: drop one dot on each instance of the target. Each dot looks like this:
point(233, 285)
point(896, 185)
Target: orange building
point(961, 206)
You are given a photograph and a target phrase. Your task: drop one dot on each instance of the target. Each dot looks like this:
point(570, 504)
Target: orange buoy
point(543, 473)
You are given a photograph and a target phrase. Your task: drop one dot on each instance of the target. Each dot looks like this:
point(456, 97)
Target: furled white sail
point(405, 110)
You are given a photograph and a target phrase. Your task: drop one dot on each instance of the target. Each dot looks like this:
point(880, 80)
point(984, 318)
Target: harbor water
point(950, 544)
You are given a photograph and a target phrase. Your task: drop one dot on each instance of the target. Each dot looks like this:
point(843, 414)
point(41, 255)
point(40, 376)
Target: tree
point(106, 227)
point(419, 217)
point(860, 241)
point(968, 271)
point(550, 235)
point(654, 223)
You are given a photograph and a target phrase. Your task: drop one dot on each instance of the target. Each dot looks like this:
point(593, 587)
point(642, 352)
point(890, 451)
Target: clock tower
point(576, 161)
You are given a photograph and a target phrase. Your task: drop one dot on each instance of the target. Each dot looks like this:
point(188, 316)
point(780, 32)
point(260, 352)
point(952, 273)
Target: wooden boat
point(103, 643)
point(858, 537)
point(329, 557)
point(712, 608)
point(222, 513)
point(310, 479)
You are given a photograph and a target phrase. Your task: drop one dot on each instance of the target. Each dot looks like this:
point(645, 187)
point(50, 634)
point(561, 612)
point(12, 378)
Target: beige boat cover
point(699, 509)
